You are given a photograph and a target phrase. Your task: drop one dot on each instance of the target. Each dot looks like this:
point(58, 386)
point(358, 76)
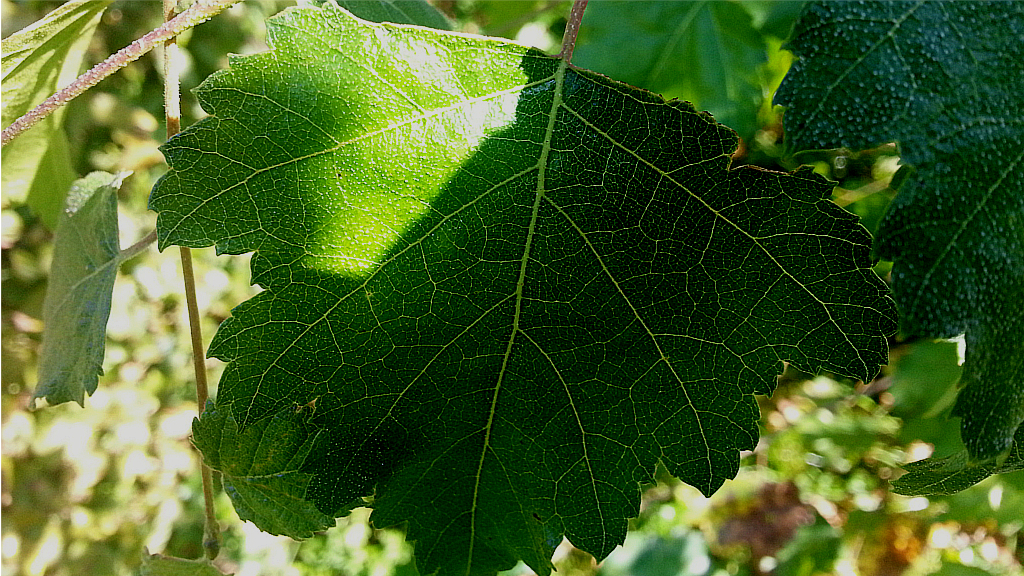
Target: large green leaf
point(504, 288)
point(944, 81)
point(36, 62)
point(85, 258)
point(707, 53)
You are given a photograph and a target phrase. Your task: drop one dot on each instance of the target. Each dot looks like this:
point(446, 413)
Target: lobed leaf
point(508, 288)
point(262, 468)
point(942, 80)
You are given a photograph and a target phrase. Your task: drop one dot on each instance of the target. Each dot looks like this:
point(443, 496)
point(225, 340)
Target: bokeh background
point(87, 490)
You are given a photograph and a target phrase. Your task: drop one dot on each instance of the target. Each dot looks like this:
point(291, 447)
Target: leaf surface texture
point(503, 289)
point(944, 81)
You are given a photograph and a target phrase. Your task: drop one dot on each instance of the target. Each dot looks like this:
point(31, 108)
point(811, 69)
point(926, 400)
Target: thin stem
point(211, 530)
point(198, 12)
point(172, 112)
point(572, 28)
point(134, 250)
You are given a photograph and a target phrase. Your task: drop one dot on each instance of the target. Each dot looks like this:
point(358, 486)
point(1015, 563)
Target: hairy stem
point(135, 249)
point(172, 111)
point(198, 12)
point(572, 28)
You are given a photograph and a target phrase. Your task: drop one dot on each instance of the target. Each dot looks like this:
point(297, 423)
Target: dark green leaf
point(943, 80)
point(707, 53)
point(36, 61)
point(957, 472)
point(509, 287)
point(262, 468)
point(77, 305)
point(417, 12)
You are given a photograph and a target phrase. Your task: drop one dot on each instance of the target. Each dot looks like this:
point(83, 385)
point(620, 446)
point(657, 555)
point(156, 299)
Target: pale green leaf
point(36, 62)
point(77, 304)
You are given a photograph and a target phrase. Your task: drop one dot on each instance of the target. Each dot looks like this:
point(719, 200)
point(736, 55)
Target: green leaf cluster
point(501, 291)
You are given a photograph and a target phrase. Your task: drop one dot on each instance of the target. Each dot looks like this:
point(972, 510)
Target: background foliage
point(84, 490)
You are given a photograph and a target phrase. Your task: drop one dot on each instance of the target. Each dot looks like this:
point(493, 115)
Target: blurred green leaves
point(942, 80)
point(707, 53)
point(86, 255)
point(36, 62)
point(712, 54)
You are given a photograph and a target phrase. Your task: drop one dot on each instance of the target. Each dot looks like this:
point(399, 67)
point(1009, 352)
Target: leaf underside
point(77, 304)
point(498, 290)
point(943, 80)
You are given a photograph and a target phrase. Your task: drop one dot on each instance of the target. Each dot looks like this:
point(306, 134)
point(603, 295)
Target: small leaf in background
point(509, 287)
point(37, 61)
point(944, 81)
point(706, 53)
point(262, 468)
point(952, 474)
point(159, 565)
point(85, 259)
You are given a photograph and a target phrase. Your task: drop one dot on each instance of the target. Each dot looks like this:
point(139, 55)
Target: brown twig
point(572, 28)
point(198, 12)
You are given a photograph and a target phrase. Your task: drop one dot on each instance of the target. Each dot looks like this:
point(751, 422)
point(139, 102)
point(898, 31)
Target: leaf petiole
point(572, 29)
